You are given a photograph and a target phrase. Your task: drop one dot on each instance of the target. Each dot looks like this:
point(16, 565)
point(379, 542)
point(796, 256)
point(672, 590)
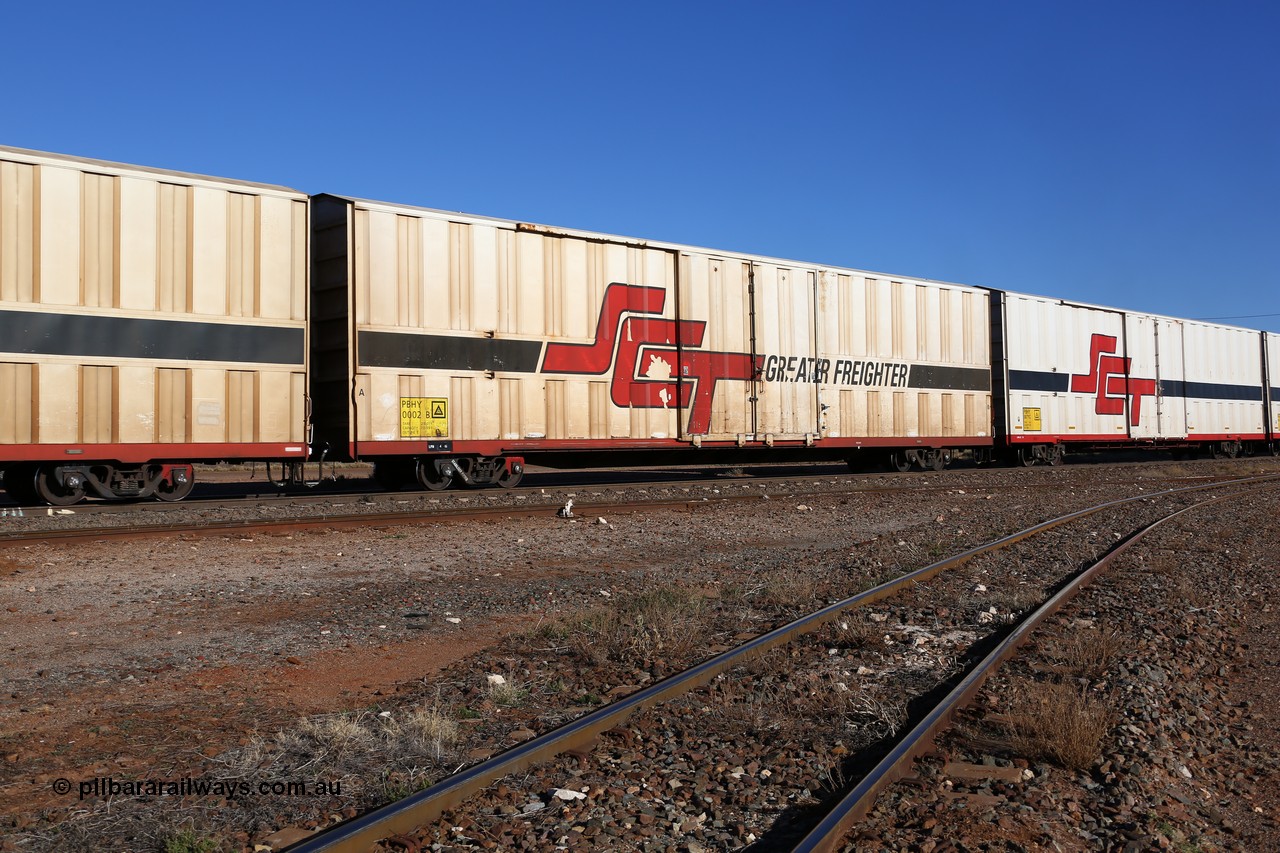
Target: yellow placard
point(1031, 420)
point(424, 417)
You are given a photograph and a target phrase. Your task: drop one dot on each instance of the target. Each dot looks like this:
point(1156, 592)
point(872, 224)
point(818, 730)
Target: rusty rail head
point(855, 806)
point(358, 834)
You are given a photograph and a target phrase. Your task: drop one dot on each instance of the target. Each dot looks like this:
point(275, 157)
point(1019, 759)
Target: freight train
point(150, 320)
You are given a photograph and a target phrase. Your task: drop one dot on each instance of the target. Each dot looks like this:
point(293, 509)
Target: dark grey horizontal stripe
point(949, 378)
point(1038, 380)
point(1275, 395)
point(447, 352)
point(87, 336)
point(1211, 391)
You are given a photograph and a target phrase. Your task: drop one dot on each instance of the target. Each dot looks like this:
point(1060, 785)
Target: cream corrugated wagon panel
point(173, 248)
point(383, 406)
point(576, 400)
point(462, 407)
point(137, 407)
point(242, 405)
point(461, 289)
point(534, 291)
point(380, 264)
point(276, 407)
point(510, 409)
point(243, 254)
point(484, 279)
point(275, 300)
point(582, 311)
point(139, 252)
point(409, 262)
point(99, 240)
point(59, 403)
point(172, 406)
point(208, 404)
point(301, 261)
point(97, 404)
point(533, 395)
point(209, 252)
point(17, 390)
point(557, 413)
point(17, 232)
point(435, 274)
point(59, 257)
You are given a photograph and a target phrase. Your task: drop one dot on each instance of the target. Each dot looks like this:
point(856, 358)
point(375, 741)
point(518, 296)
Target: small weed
point(593, 699)
point(508, 694)
point(465, 713)
point(189, 841)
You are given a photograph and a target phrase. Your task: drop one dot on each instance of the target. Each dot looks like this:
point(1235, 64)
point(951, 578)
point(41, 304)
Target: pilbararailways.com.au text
point(189, 786)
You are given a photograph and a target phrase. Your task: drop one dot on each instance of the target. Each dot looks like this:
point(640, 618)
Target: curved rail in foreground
point(831, 831)
point(403, 816)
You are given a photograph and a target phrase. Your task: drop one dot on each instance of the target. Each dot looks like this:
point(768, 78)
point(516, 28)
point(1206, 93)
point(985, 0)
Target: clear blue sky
point(1123, 153)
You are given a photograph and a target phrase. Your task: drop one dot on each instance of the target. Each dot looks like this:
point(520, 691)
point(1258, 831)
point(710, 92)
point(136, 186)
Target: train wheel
point(19, 482)
point(431, 477)
point(173, 490)
point(1026, 456)
point(1055, 454)
point(52, 491)
point(899, 461)
point(511, 475)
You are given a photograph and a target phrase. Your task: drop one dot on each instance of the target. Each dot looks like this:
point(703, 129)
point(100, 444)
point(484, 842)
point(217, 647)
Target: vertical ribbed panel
point(99, 240)
point(17, 232)
point(173, 247)
point(173, 405)
point(97, 404)
point(242, 409)
point(17, 389)
point(409, 271)
point(242, 255)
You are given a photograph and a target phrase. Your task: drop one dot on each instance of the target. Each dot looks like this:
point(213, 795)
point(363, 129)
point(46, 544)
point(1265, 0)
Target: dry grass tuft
point(1087, 653)
point(1060, 723)
point(666, 621)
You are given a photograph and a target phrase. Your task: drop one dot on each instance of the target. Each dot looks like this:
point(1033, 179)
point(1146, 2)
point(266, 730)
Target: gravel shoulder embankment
point(179, 657)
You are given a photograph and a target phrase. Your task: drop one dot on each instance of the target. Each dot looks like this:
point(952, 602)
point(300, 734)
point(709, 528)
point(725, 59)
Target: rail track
point(400, 819)
point(333, 510)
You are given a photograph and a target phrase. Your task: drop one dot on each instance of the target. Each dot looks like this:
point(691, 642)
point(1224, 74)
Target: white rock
point(568, 794)
point(454, 619)
point(862, 670)
point(496, 680)
point(384, 714)
point(600, 520)
point(841, 687)
point(979, 588)
point(802, 507)
point(879, 617)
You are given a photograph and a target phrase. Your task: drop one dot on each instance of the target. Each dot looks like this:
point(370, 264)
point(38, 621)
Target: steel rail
point(428, 516)
point(580, 735)
point(833, 828)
